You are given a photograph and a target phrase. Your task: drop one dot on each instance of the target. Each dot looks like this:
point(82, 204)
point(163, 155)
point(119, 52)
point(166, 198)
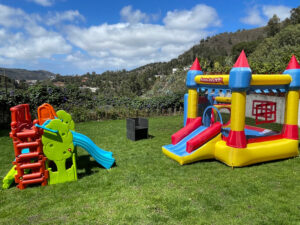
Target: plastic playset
point(43, 147)
point(235, 143)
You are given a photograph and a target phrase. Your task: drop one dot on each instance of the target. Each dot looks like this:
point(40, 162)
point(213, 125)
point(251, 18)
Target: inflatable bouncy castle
point(235, 143)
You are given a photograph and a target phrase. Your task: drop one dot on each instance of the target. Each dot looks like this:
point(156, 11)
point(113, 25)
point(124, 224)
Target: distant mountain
point(22, 74)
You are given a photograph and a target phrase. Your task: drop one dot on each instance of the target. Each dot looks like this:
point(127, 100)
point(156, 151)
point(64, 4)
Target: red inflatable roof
point(196, 65)
point(242, 61)
point(293, 64)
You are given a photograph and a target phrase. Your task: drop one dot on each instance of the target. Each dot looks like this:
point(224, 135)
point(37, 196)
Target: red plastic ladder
point(30, 166)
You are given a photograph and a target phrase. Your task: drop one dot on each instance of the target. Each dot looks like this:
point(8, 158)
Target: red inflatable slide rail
point(182, 133)
point(203, 137)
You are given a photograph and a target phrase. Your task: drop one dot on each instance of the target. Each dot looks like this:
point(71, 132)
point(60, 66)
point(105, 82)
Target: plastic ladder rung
point(26, 133)
point(31, 165)
point(28, 144)
point(33, 181)
point(32, 176)
point(29, 155)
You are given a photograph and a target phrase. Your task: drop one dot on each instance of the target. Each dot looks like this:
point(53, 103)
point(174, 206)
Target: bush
point(84, 105)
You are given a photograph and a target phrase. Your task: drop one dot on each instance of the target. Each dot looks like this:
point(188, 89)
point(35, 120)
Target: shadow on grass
point(266, 162)
point(202, 161)
point(249, 166)
point(141, 139)
point(4, 132)
point(252, 165)
point(85, 163)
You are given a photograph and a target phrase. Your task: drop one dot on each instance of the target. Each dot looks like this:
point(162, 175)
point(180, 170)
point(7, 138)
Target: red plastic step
point(26, 133)
point(32, 176)
point(28, 144)
point(33, 181)
point(29, 155)
point(31, 165)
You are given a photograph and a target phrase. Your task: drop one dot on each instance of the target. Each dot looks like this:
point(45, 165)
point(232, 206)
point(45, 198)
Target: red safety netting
point(264, 111)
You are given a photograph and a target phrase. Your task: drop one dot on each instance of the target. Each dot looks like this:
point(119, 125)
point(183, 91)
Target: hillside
point(213, 48)
point(22, 74)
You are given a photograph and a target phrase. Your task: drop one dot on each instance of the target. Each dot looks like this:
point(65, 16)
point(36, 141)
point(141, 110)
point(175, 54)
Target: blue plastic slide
point(104, 158)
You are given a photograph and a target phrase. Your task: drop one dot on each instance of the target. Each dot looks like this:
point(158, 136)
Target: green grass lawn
point(146, 187)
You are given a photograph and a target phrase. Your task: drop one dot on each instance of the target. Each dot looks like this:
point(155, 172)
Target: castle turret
point(195, 69)
point(240, 74)
point(293, 69)
point(191, 74)
point(290, 127)
point(239, 81)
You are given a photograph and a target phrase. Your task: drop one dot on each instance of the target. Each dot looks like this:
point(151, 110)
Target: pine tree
point(273, 26)
point(295, 15)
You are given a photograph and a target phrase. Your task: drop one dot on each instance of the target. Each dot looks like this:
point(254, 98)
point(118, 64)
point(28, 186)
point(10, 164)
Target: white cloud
point(254, 17)
point(281, 11)
point(86, 63)
point(35, 38)
point(7, 62)
point(43, 2)
point(31, 41)
point(130, 16)
point(34, 48)
point(200, 17)
point(260, 15)
point(11, 17)
point(132, 44)
point(58, 17)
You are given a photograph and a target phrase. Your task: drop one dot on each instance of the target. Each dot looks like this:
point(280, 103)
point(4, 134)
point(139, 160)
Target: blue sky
point(76, 36)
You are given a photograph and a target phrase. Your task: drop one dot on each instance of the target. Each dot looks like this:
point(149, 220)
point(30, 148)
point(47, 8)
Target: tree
point(248, 47)
point(274, 53)
point(295, 15)
point(273, 26)
point(217, 67)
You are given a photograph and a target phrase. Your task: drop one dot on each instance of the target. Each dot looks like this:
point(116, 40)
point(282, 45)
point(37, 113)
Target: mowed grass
point(146, 187)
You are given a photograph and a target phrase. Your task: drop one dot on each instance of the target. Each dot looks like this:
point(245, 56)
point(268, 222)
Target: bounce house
point(45, 149)
point(235, 143)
